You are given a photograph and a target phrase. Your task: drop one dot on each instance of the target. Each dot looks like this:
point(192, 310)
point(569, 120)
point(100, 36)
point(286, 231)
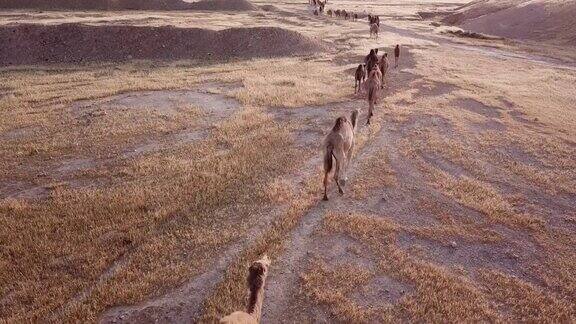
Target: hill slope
point(539, 20)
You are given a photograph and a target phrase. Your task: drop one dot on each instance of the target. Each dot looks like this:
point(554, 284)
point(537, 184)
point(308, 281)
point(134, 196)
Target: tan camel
point(374, 30)
point(339, 145)
point(256, 279)
point(383, 69)
point(372, 85)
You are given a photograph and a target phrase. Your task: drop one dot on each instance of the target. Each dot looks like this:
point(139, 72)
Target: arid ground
point(139, 190)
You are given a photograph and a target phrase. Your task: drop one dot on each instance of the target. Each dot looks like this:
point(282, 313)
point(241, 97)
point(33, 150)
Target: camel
point(337, 13)
point(339, 145)
point(383, 68)
point(371, 59)
point(329, 12)
point(374, 20)
point(360, 76)
point(374, 30)
point(372, 85)
point(256, 279)
point(321, 6)
point(396, 55)
point(344, 14)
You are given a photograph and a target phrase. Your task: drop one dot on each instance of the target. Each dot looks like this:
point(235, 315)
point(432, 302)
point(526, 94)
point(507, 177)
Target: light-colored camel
point(383, 69)
point(339, 145)
point(256, 279)
point(372, 85)
point(374, 30)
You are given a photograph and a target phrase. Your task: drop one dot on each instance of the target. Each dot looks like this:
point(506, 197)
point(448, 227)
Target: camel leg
point(348, 159)
point(325, 186)
point(340, 165)
point(370, 114)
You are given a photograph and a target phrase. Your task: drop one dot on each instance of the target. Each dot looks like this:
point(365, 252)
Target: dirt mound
point(75, 43)
point(540, 20)
point(222, 5)
point(217, 5)
point(477, 9)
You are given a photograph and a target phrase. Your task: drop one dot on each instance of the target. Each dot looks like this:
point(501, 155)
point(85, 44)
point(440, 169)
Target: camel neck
point(256, 301)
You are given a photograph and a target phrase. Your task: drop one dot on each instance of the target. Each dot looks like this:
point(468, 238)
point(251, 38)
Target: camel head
point(260, 267)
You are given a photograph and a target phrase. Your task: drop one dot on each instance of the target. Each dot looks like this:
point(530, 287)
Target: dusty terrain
point(140, 190)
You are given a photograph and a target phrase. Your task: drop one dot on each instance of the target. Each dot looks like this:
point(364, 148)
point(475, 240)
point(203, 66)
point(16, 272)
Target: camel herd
point(370, 77)
point(317, 8)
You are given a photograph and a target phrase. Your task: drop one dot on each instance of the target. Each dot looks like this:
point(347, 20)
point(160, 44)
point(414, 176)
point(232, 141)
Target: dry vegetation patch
point(438, 294)
point(146, 226)
point(332, 286)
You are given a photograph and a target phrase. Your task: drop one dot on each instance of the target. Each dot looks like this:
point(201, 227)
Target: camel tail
point(354, 118)
point(328, 158)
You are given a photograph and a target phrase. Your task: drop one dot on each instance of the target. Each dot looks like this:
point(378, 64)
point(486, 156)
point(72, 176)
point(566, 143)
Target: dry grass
point(150, 209)
point(127, 228)
point(230, 293)
point(438, 295)
point(482, 197)
point(374, 173)
point(285, 83)
point(525, 302)
point(148, 221)
point(332, 286)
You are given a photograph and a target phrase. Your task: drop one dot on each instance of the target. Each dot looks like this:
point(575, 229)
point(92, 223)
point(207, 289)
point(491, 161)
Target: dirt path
point(283, 284)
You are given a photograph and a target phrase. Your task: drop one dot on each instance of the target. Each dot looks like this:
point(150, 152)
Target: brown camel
point(372, 87)
point(360, 76)
point(339, 145)
point(371, 59)
point(256, 279)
